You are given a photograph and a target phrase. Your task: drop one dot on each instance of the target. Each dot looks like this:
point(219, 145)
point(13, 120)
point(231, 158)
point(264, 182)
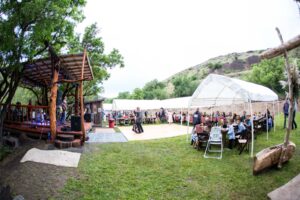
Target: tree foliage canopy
point(184, 85)
point(99, 61)
point(268, 73)
point(27, 27)
point(155, 90)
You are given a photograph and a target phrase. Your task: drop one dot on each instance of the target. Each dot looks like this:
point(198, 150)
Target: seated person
point(270, 123)
point(241, 128)
point(231, 135)
point(194, 137)
point(247, 122)
point(17, 113)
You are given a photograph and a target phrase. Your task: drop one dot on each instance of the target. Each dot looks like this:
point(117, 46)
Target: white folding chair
point(215, 138)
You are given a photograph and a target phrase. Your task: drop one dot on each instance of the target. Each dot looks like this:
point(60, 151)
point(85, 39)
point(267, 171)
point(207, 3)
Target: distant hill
point(226, 64)
point(233, 65)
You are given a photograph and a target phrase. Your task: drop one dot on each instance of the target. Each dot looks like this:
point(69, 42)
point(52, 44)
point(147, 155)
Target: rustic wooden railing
point(27, 113)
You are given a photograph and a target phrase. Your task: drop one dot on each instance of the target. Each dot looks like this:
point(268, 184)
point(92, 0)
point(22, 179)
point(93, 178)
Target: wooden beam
point(81, 98)
point(280, 50)
point(70, 81)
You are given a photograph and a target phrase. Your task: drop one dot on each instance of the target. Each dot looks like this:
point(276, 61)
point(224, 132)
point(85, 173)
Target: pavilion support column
point(76, 100)
point(81, 97)
point(52, 107)
point(45, 96)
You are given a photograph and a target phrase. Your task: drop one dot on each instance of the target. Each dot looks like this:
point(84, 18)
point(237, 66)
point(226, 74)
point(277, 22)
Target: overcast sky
point(159, 38)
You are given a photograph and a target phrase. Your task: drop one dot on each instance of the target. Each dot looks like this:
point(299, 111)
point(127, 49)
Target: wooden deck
point(41, 129)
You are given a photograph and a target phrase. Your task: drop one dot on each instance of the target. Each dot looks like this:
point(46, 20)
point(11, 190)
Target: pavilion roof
point(38, 72)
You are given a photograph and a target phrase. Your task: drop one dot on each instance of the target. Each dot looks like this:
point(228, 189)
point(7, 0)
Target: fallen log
point(270, 156)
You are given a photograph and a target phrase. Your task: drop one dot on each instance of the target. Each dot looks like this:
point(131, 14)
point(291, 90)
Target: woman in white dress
point(170, 118)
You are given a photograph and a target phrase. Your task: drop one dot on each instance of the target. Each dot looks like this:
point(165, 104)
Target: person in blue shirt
point(231, 134)
point(286, 106)
point(241, 128)
point(270, 123)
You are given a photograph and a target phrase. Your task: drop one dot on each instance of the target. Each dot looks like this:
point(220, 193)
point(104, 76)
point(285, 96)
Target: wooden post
point(81, 97)
point(52, 107)
point(45, 96)
point(76, 100)
point(291, 107)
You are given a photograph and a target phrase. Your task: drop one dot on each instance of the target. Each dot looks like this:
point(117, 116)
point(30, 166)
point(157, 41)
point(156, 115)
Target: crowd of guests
point(236, 126)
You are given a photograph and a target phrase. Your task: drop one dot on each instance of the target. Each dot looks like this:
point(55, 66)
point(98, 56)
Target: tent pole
point(278, 109)
point(181, 116)
point(274, 115)
point(252, 130)
point(188, 124)
point(267, 121)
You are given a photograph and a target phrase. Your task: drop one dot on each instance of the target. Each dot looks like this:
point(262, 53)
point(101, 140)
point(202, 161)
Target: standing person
point(286, 106)
point(294, 124)
point(243, 118)
point(64, 110)
point(196, 117)
point(139, 120)
point(231, 135)
point(170, 117)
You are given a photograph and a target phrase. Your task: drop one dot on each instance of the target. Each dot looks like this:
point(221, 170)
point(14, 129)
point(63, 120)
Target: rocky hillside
point(232, 64)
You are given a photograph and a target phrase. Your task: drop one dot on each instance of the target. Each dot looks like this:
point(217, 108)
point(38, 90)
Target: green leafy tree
point(124, 95)
point(25, 28)
point(184, 85)
point(137, 94)
point(99, 61)
point(155, 90)
point(268, 73)
point(23, 96)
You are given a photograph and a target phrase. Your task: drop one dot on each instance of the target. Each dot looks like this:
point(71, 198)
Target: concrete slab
point(289, 191)
point(105, 135)
point(104, 130)
point(154, 131)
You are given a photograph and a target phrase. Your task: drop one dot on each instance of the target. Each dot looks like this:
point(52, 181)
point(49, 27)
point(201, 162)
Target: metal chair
point(215, 138)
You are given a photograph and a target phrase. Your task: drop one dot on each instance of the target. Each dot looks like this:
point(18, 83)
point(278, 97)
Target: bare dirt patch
point(33, 180)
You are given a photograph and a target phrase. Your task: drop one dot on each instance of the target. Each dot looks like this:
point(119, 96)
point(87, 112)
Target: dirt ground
point(33, 180)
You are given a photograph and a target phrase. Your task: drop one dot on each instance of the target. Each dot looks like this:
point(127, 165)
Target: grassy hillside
point(233, 64)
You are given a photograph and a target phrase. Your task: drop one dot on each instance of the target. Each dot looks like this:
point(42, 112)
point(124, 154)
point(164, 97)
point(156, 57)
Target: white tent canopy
point(107, 106)
point(130, 104)
point(181, 102)
point(217, 90)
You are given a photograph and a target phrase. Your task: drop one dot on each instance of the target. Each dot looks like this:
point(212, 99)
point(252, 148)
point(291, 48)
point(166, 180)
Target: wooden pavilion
point(47, 73)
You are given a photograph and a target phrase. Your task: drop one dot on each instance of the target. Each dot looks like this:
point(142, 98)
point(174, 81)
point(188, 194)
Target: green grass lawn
point(172, 169)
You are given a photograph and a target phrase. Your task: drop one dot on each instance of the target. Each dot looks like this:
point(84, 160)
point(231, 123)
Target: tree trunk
point(52, 107)
point(15, 79)
point(291, 108)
